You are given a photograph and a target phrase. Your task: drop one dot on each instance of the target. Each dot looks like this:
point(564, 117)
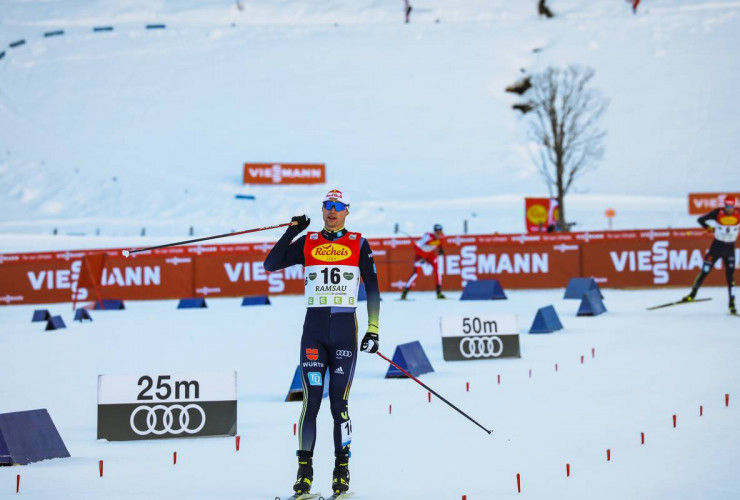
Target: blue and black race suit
point(329, 342)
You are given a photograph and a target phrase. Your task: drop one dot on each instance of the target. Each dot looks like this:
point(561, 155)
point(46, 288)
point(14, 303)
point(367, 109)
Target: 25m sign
point(166, 405)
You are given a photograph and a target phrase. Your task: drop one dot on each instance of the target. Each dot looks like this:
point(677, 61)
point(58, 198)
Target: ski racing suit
point(725, 227)
point(426, 250)
point(334, 263)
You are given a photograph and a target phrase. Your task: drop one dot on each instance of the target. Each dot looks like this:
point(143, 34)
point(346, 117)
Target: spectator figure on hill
point(725, 224)
point(426, 251)
point(544, 10)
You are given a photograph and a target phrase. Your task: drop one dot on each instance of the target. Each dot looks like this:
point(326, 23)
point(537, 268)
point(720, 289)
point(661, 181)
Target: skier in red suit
point(426, 251)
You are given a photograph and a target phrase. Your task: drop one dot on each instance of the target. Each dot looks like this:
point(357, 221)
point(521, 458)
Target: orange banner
point(615, 258)
point(701, 203)
point(284, 173)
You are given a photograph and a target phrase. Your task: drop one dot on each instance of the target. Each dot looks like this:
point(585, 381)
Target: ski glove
point(302, 223)
point(370, 343)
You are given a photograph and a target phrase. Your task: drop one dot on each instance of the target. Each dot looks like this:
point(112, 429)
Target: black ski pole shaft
point(433, 392)
point(126, 253)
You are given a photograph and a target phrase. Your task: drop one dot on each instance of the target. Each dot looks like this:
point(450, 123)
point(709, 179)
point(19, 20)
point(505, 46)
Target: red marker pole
point(390, 408)
point(674, 421)
point(593, 353)
point(294, 429)
point(18, 483)
point(467, 386)
point(238, 440)
point(429, 396)
point(518, 483)
point(530, 373)
point(100, 466)
point(727, 400)
point(701, 410)
point(498, 379)
point(581, 359)
point(556, 367)
point(174, 458)
point(608, 455)
point(642, 438)
point(567, 470)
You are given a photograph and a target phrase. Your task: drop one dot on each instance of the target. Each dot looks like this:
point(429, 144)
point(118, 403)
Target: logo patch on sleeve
point(312, 354)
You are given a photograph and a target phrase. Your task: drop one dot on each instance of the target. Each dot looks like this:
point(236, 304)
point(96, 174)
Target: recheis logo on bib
point(728, 220)
point(331, 252)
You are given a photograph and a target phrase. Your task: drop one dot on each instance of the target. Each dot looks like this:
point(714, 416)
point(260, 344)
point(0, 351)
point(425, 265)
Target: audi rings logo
point(344, 354)
point(160, 419)
point(481, 347)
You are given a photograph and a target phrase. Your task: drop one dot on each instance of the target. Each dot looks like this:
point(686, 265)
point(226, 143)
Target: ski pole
point(126, 253)
point(433, 392)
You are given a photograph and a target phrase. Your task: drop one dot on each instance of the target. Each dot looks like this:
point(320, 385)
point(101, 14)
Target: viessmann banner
point(701, 203)
point(284, 173)
point(616, 259)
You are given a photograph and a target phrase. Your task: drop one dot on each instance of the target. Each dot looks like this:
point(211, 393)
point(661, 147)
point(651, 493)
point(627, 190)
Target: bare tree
point(568, 141)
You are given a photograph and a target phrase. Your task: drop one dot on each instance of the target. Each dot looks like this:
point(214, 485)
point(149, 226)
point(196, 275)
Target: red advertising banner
point(701, 203)
point(640, 258)
point(539, 214)
point(284, 173)
point(661, 261)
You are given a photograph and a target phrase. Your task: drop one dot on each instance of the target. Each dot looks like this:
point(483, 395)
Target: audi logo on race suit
point(160, 419)
point(166, 405)
point(481, 347)
point(480, 337)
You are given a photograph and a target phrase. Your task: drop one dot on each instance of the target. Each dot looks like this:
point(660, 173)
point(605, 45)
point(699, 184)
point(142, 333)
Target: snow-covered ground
point(647, 367)
point(135, 128)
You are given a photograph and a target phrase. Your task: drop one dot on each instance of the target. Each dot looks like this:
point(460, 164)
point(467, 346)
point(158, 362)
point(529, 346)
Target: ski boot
point(404, 293)
point(305, 472)
point(340, 477)
point(440, 295)
point(690, 296)
point(732, 306)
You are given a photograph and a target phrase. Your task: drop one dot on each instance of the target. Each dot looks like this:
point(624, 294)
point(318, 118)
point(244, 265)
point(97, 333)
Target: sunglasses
point(336, 205)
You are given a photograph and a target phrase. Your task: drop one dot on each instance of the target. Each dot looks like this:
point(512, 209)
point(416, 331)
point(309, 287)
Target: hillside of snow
point(111, 132)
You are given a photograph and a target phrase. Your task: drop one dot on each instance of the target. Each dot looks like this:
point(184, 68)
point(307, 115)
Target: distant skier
point(334, 261)
point(725, 223)
point(426, 251)
point(407, 9)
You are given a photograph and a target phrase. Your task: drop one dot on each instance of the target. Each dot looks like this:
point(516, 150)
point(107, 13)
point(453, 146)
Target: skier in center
point(334, 260)
point(725, 224)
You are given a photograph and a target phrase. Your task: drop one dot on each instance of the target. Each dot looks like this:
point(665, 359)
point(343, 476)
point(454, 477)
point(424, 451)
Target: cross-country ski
point(678, 303)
